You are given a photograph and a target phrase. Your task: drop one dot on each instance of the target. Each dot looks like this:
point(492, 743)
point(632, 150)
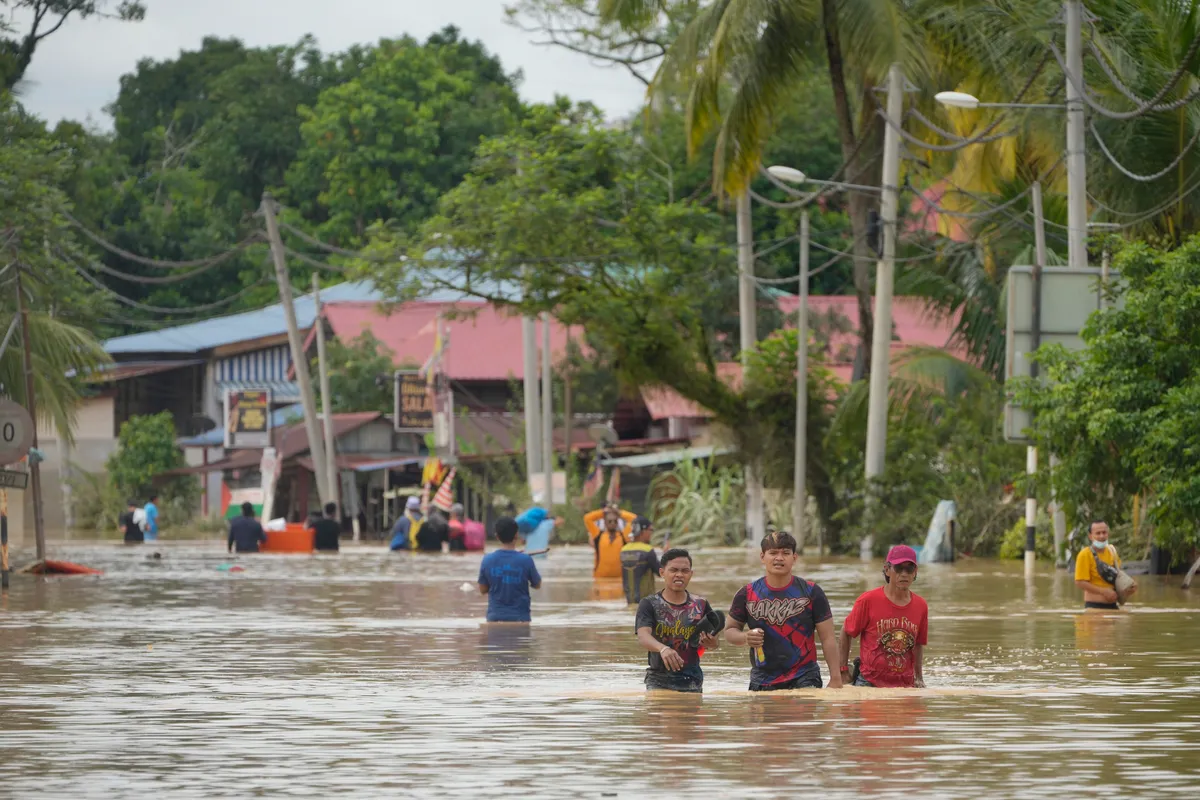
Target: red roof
point(483, 342)
point(924, 217)
point(663, 402)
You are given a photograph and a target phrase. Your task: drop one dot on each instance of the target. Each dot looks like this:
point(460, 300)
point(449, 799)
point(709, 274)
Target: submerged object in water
point(49, 567)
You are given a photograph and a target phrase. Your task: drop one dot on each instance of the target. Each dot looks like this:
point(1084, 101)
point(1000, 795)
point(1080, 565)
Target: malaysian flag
point(594, 480)
point(614, 486)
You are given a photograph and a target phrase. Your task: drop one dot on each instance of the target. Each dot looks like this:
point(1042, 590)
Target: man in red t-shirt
point(894, 626)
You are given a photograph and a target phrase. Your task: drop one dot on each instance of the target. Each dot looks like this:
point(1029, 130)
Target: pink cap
point(901, 553)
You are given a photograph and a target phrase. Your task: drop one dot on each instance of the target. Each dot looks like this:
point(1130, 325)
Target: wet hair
point(247, 509)
point(778, 540)
point(674, 553)
point(330, 509)
point(506, 530)
point(1093, 524)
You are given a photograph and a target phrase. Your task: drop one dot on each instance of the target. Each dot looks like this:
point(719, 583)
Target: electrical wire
point(314, 262)
point(1133, 175)
point(317, 243)
point(189, 310)
point(1151, 105)
point(160, 263)
point(149, 279)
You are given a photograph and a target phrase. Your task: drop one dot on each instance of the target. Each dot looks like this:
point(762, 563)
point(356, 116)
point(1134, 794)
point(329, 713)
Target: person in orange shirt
point(609, 540)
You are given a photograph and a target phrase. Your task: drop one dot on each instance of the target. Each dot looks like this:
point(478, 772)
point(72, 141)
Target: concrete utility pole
point(533, 425)
point(799, 490)
point(299, 361)
point(35, 470)
point(885, 276)
point(1039, 263)
point(748, 317)
point(547, 412)
point(326, 402)
point(1077, 255)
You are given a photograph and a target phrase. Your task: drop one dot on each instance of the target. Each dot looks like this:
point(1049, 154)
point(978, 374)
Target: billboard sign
point(414, 403)
point(247, 419)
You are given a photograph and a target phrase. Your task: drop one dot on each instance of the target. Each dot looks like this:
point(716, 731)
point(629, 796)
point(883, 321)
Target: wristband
point(664, 649)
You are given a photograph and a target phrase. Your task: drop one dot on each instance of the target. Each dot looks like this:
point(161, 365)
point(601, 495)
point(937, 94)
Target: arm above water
point(832, 652)
point(735, 623)
point(919, 665)
point(1089, 588)
point(535, 578)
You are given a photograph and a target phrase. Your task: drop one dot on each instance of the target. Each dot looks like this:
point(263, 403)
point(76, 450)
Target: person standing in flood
point(666, 625)
point(245, 532)
point(894, 625)
point(151, 510)
point(639, 563)
point(131, 526)
point(506, 576)
point(1096, 570)
point(327, 531)
point(786, 614)
point(608, 542)
point(404, 532)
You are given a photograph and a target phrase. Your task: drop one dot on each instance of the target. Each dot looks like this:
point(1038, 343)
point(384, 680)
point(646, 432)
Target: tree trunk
point(859, 205)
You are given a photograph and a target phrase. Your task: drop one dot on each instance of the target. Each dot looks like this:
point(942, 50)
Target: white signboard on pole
point(16, 432)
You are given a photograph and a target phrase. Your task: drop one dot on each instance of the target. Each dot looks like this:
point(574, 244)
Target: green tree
point(42, 19)
point(145, 450)
point(1121, 415)
point(385, 145)
point(360, 374)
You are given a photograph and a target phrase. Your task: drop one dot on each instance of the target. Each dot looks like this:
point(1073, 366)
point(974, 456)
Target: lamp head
point(957, 99)
point(789, 174)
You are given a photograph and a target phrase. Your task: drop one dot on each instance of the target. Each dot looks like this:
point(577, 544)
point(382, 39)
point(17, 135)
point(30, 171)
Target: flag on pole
point(614, 486)
point(594, 480)
point(425, 499)
point(445, 495)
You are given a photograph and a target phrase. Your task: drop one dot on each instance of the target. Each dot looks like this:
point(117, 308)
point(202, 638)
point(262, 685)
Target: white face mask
point(1099, 545)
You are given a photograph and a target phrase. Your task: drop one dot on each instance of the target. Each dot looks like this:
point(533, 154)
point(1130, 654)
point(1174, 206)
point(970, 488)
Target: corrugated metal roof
point(196, 337)
point(281, 391)
point(666, 457)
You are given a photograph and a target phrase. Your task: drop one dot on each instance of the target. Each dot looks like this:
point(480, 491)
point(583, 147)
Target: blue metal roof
point(195, 337)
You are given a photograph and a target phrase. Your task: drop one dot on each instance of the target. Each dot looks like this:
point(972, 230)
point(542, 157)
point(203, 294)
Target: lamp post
point(799, 490)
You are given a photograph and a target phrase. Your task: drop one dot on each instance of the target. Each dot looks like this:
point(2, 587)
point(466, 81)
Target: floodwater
point(371, 674)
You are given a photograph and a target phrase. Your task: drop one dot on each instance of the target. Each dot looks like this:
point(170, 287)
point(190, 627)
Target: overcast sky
point(75, 72)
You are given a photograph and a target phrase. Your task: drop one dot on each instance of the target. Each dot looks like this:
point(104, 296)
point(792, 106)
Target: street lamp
point(799, 492)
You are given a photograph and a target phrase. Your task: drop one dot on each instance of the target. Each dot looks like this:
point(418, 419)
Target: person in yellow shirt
point(1097, 592)
point(608, 540)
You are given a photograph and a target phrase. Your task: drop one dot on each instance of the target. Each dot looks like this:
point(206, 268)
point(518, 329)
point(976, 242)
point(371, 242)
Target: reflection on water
point(372, 674)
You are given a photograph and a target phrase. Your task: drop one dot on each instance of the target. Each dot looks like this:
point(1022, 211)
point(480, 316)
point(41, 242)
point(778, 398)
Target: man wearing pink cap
point(894, 626)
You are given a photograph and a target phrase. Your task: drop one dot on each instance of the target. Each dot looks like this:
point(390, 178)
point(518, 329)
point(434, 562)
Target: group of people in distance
point(139, 523)
point(430, 533)
point(779, 618)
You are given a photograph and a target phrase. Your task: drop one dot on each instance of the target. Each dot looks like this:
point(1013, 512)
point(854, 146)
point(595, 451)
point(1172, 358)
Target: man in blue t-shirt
point(506, 575)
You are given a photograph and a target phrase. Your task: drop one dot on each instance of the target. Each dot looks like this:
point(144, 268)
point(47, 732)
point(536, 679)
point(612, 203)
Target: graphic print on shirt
point(675, 626)
point(897, 638)
point(788, 618)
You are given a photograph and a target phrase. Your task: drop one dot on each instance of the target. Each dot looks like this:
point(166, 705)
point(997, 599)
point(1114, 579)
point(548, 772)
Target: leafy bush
point(145, 450)
point(700, 503)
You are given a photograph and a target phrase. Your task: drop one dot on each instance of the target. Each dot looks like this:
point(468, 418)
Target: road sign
point(16, 432)
point(1069, 297)
point(12, 479)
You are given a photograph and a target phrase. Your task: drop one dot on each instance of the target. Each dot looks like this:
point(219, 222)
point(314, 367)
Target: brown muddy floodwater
point(371, 674)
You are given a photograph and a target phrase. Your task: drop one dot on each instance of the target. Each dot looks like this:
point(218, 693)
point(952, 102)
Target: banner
point(269, 468)
point(247, 419)
point(414, 403)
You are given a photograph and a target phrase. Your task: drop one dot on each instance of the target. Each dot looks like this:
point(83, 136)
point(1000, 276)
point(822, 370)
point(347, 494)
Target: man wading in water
point(784, 613)
point(894, 626)
point(667, 625)
point(1098, 591)
point(609, 541)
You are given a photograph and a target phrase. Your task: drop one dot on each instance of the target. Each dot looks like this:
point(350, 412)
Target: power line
point(1133, 175)
point(1152, 104)
point(160, 263)
point(120, 298)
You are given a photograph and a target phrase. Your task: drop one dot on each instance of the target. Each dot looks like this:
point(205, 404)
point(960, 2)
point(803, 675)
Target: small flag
point(614, 486)
point(594, 480)
point(445, 495)
point(425, 499)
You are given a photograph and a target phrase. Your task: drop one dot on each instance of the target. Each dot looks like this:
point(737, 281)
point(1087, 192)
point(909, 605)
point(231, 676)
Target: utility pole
point(799, 490)
point(568, 422)
point(748, 318)
point(326, 401)
point(1077, 255)
point(885, 276)
point(547, 412)
point(533, 426)
point(316, 446)
point(35, 470)
point(1039, 263)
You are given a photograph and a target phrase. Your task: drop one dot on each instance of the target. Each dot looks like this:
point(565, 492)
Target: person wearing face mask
point(1094, 562)
point(894, 626)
